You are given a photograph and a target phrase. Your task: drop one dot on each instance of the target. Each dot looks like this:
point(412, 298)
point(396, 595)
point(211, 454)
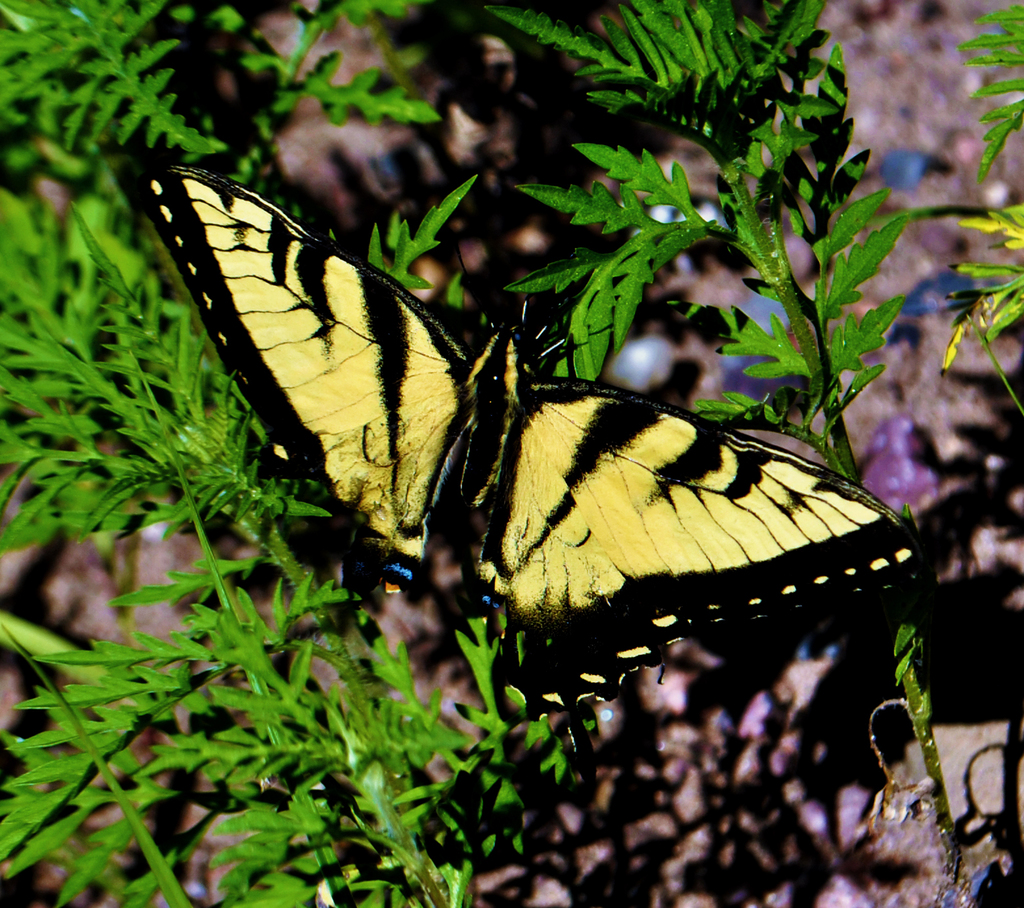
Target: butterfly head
point(542, 330)
point(495, 374)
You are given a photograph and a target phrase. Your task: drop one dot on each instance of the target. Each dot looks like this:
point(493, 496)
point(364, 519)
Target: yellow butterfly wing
point(620, 524)
point(617, 523)
point(361, 386)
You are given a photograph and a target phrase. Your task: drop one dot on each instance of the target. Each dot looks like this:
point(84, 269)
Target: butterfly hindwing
point(361, 386)
point(646, 522)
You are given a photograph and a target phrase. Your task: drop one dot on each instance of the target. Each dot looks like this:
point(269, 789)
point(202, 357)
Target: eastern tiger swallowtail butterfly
point(616, 522)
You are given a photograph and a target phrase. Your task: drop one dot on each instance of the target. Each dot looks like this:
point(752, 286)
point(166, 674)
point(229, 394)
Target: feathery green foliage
point(1005, 48)
point(351, 747)
point(740, 95)
point(85, 74)
point(997, 306)
point(101, 463)
point(994, 307)
point(406, 248)
point(282, 71)
point(73, 71)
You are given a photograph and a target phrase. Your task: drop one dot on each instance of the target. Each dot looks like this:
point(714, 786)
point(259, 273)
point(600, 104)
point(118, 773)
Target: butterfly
point(617, 523)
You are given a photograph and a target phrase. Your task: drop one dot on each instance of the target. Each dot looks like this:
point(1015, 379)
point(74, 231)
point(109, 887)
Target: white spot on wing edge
point(593, 679)
point(879, 563)
point(166, 212)
point(156, 186)
point(553, 698)
point(903, 554)
point(664, 621)
point(634, 652)
point(786, 590)
point(822, 579)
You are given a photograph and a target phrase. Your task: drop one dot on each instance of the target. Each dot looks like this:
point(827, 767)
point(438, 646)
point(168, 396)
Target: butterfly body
point(617, 523)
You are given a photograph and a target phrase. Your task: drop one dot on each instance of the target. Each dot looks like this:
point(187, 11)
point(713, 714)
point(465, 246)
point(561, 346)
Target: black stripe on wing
point(611, 429)
point(387, 326)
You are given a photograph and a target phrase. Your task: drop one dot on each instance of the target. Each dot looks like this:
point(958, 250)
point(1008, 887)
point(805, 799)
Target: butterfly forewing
point(360, 385)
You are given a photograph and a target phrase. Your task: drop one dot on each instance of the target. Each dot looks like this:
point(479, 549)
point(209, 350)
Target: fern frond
point(1005, 48)
point(692, 71)
point(81, 63)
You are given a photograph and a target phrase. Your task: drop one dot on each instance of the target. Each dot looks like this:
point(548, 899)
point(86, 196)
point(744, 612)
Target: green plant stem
point(392, 59)
point(169, 886)
point(268, 535)
point(374, 786)
point(774, 271)
point(398, 839)
point(999, 369)
point(773, 265)
point(919, 701)
point(309, 36)
point(842, 450)
point(930, 212)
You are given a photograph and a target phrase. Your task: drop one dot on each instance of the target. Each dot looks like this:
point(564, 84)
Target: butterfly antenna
point(469, 284)
point(558, 343)
point(467, 281)
point(462, 264)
